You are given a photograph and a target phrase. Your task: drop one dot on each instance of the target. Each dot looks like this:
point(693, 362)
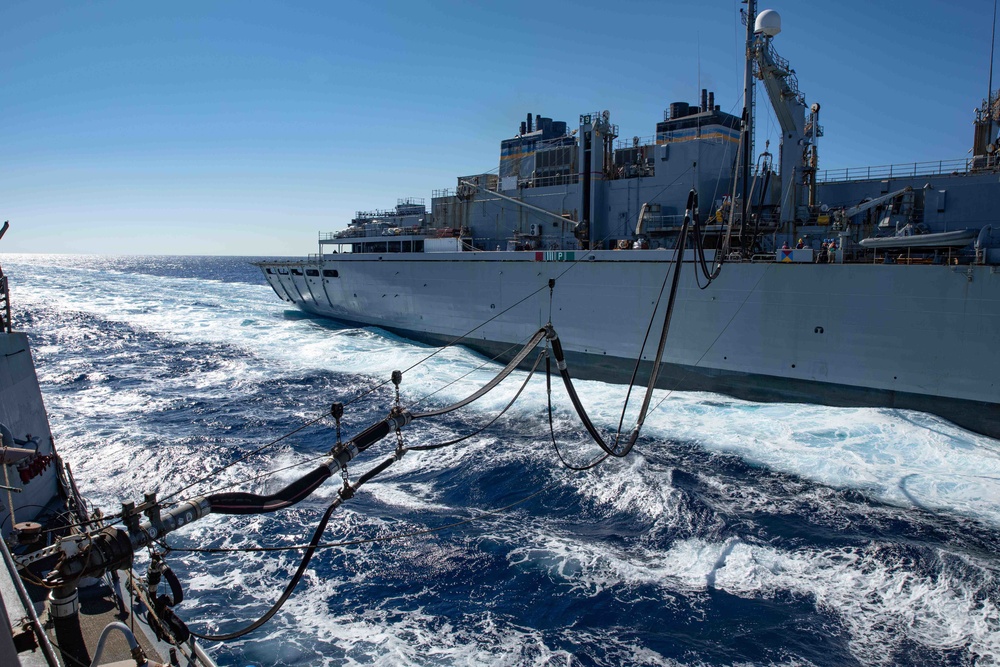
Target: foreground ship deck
point(40, 497)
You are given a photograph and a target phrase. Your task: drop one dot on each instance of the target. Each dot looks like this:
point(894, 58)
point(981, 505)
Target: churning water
point(736, 533)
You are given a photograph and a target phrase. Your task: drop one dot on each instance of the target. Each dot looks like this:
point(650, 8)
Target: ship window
point(269, 270)
point(312, 272)
point(296, 272)
point(331, 273)
point(283, 272)
point(418, 246)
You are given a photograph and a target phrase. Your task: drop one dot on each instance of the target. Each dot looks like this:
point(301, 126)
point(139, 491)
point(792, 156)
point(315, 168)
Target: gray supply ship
point(877, 286)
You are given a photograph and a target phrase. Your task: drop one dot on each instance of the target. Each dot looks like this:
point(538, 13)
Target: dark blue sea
point(736, 533)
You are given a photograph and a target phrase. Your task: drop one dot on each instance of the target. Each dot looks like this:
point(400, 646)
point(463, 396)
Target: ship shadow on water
point(330, 324)
point(291, 315)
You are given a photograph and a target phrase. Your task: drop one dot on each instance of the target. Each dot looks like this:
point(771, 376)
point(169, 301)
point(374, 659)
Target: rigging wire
point(484, 514)
point(494, 359)
point(244, 457)
point(716, 339)
point(355, 399)
point(424, 448)
point(64, 654)
point(452, 342)
point(325, 455)
point(112, 519)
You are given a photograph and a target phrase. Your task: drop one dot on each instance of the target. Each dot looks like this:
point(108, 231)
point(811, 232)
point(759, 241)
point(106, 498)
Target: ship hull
point(916, 337)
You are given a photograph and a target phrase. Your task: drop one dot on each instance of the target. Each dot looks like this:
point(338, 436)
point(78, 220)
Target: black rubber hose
point(671, 300)
point(552, 430)
point(306, 557)
point(239, 502)
point(489, 386)
point(557, 351)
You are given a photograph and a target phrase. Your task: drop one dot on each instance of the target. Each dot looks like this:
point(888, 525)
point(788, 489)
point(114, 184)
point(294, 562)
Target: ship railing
point(336, 237)
point(546, 181)
point(635, 142)
point(377, 229)
point(327, 237)
point(904, 170)
point(400, 211)
point(660, 223)
point(791, 80)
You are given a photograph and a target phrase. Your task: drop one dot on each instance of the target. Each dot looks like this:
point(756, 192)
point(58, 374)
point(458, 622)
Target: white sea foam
point(901, 457)
point(872, 591)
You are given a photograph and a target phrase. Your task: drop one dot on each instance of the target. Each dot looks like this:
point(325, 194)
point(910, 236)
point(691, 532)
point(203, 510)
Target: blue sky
point(245, 128)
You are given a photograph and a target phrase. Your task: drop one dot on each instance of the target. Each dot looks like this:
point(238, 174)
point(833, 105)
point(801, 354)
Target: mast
point(748, 106)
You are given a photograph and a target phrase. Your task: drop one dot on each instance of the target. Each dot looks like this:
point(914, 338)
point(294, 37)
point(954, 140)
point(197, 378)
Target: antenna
point(989, 93)
point(694, 172)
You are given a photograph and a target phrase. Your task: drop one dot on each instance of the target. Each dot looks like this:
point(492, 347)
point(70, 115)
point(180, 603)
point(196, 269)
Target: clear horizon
point(247, 129)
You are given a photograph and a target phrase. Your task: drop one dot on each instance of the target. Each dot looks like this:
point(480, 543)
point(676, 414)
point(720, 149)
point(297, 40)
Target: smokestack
point(704, 99)
point(711, 102)
point(523, 127)
point(529, 123)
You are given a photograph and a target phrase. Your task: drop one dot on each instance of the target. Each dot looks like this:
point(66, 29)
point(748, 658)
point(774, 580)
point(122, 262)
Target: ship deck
point(98, 608)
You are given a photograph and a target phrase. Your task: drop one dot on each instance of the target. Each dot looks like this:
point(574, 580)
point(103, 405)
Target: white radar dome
point(768, 22)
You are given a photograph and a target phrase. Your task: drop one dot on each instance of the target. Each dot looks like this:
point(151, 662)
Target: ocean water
point(736, 533)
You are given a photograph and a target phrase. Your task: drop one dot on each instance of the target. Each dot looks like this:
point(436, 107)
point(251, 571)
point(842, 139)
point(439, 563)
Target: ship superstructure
point(871, 287)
